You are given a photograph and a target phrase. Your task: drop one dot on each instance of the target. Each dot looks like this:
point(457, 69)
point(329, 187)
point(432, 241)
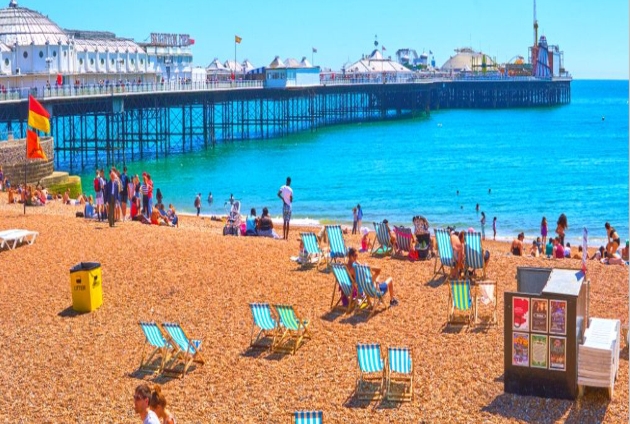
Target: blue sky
point(593, 34)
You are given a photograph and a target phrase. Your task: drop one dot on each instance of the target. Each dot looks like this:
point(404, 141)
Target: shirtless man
point(517, 245)
point(457, 240)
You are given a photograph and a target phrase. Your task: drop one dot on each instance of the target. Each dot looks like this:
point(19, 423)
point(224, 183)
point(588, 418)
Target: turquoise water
point(537, 162)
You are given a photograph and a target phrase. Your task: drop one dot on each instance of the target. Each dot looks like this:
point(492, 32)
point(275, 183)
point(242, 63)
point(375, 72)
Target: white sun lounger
point(11, 238)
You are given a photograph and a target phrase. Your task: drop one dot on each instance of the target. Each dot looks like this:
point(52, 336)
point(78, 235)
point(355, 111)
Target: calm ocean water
point(537, 162)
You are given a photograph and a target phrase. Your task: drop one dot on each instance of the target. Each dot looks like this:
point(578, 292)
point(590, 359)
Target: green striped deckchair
point(159, 345)
point(365, 284)
point(314, 254)
point(268, 327)
point(399, 373)
point(460, 300)
point(308, 417)
point(343, 282)
point(445, 250)
point(383, 238)
point(371, 371)
point(187, 353)
point(474, 254)
point(293, 328)
point(336, 243)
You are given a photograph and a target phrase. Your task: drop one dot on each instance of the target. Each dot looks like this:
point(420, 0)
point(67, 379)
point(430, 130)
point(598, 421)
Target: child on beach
point(365, 240)
point(494, 228)
point(543, 230)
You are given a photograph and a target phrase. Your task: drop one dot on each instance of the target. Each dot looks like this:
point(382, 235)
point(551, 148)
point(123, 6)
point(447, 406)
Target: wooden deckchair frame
point(147, 365)
point(384, 242)
point(263, 333)
point(297, 335)
point(333, 256)
point(337, 286)
point(373, 296)
point(405, 379)
point(474, 253)
point(182, 356)
point(404, 236)
point(366, 378)
point(452, 310)
point(439, 258)
point(318, 255)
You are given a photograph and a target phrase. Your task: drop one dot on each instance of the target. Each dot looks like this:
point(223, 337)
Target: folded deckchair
point(314, 254)
point(337, 246)
point(459, 299)
point(155, 340)
point(188, 351)
point(404, 240)
point(384, 240)
point(365, 284)
point(343, 281)
point(486, 294)
point(293, 329)
point(308, 417)
point(267, 325)
point(371, 371)
point(399, 373)
point(445, 250)
point(11, 238)
point(473, 257)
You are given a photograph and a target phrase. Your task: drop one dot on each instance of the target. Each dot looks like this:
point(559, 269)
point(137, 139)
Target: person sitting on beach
point(265, 225)
point(157, 403)
point(624, 251)
point(517, 245)
point(578, 255)
point(599, 254)
point(157, 218)
point(172, 215)
point(392, 236)
point(88, 211)
point(567, 251)
point(365, 239)
point(251, 222)
point(382, 286)
point(457, 240)
point(534, 249)
point(614, 259)
point(165, 217)
point(614, 241)
point(558, 250)
point(66, 197)
point(12, 197)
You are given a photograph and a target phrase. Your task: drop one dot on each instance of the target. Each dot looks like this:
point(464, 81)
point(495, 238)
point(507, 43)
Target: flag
point(33, 148)
point(383, 47)
point(237, 39)
point(191, 41)
point(314, 50)
point(38, 117)
point(59, 79)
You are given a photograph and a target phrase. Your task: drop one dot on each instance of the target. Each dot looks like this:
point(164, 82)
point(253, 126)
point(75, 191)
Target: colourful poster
point(520, 313)
point(539, 351)
point(520, 349)
point(540, 315)
point(557, 353)
point(558, 321)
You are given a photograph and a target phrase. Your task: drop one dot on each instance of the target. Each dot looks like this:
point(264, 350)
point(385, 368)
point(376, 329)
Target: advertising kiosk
point(544, 322)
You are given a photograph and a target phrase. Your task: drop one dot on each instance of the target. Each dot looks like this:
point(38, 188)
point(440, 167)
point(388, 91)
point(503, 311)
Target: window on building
point(81, 61)
point(112, 62)
point(132, 61)
point(65, 53)
point(141, 61)
point(54, 53)
point(102, 61)
point(41, 54)
point(92, 61)
point(6, 62)
point(25, 55)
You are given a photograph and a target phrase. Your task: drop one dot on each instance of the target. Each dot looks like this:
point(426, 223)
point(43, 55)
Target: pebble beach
point(58, 366)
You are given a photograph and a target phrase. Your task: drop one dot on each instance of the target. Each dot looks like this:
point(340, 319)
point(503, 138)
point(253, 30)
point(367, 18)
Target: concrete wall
point(13, 156)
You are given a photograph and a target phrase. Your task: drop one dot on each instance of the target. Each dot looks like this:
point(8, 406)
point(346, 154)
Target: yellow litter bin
point(86, 286)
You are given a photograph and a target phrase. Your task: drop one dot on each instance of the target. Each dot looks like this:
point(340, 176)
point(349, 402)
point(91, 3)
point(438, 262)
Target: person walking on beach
point(286, 194)
point(124, 192)
point(483, 225)
point(359, 217)
point(198, 203)
point(354, 221)
point(145, 195)
point(98, 194)
point(494, 228)
point(141, 399)
point(563, 225)
point(111, 196)
point(543, 230)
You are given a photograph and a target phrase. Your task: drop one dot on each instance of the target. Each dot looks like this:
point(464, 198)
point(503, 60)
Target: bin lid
point(565, 281)
point(85, 266)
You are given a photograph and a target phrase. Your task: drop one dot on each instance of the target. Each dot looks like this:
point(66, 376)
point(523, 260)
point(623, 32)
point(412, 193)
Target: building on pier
point(291, 73)
point(468, 60)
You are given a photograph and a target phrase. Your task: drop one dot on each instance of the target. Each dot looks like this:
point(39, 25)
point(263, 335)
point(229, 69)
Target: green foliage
point(73, 183)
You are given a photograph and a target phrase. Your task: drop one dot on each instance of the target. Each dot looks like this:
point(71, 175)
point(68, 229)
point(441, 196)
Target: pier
point(100, 126)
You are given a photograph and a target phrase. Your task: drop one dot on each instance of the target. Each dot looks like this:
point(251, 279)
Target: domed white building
point(466, 60)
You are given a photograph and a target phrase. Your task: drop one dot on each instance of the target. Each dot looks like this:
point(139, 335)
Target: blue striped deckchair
point(294, 329)
point(365, 284)
point(336, 243)
point(474, 254)
point(404, 240)
point(261, 312)
point(384, 240)
point(371, 371)
point(187, 353)
point(343, 281)
point(155, 339)
point(308, 417)
point(399, 372)
point(459, 299)
point(314, 254)
point(445, 250)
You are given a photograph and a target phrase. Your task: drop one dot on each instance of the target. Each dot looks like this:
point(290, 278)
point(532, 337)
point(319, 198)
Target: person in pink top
point(558, 250)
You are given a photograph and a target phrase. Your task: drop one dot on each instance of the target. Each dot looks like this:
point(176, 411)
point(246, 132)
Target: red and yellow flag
point(38, 117)
point(237, 39)
point(33, 148)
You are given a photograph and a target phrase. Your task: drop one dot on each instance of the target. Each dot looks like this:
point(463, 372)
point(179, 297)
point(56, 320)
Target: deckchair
point(459, 299)
point(267, 325)
point(404, 239)
point(473, 257)
point(384, 240)
point(160, 347)
point(399, 372)
point(486, 294)
point(294, 329)
point(314, 254)
point(337, 245)
point(373, 296)
point(371, 371)
point(343, 281)
point(188, 351)
point(308, 417)
point(445, 250)
point(11, 238)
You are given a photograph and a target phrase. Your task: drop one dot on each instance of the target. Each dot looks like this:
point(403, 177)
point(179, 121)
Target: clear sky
point(593, 34)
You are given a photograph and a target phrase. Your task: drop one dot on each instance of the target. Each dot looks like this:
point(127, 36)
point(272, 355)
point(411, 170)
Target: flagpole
point(235, 60)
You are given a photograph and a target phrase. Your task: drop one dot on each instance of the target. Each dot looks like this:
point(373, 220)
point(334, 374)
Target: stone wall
point(13, 156)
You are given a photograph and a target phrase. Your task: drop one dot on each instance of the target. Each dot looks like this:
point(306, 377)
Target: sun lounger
point(473, 257)
point(399, 373)
point(188, 351)
point(314, 254)
point(11, 238)
point(459, 299)
point(404, 240)
point(373, 296)
point(383, 238)
point(308, 417)
point(371, 371)
point(293, 328)
point(445, 250)
point(343, 282)
point(154, 339)
point(267, 325)
point(337, 245)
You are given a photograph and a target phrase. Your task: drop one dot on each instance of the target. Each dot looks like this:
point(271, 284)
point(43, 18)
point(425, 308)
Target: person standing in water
point(210, 200)
point(494, 228)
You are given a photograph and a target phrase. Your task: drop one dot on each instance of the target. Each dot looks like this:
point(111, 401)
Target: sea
point(518, 165)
